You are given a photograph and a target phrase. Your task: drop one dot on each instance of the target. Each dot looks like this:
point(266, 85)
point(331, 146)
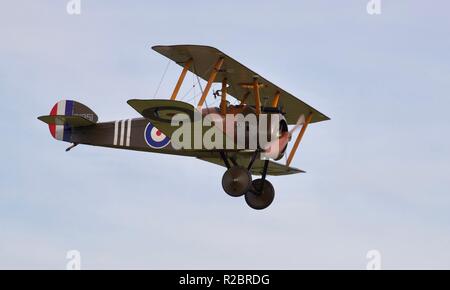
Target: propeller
point(277, 146)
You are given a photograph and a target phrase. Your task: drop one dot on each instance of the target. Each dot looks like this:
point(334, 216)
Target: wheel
point(261, 194)
point(236, 181)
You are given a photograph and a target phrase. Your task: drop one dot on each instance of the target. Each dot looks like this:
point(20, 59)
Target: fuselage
point(139, 134)
point(131, 134)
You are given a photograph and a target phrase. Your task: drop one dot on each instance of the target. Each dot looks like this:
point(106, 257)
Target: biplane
point(75, 123)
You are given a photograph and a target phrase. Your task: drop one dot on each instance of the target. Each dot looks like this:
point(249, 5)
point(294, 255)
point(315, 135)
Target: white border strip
point(116, 131)
point(128, 133)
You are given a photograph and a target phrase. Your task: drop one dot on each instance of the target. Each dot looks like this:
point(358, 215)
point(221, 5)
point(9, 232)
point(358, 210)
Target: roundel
point(155, 138)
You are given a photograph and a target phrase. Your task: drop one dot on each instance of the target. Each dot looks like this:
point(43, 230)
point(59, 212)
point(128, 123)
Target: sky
point(377, 172)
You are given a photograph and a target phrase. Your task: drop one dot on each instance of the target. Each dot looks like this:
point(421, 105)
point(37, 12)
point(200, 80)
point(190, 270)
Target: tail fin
point(65, 115)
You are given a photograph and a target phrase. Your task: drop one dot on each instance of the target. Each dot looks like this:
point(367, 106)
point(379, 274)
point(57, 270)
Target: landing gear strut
point(237, 181)
point(261, 193)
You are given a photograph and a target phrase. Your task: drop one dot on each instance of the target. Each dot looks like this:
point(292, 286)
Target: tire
point(261, 194)
point(236, 181)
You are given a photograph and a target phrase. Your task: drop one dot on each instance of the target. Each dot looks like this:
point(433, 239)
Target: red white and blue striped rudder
point(61, 132)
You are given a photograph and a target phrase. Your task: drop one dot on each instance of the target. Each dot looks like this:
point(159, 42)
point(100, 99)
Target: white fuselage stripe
point(128, 133)
point(116, 132)
point(59, 129)
point(122, 132)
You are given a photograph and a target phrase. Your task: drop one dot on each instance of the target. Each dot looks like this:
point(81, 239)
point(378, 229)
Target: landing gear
point(237, 181)
point(260, 195)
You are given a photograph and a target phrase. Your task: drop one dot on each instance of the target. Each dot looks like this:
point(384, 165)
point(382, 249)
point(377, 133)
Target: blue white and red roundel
point(155, 138)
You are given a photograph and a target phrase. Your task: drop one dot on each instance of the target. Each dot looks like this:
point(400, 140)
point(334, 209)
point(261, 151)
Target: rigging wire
point(265, 102)
point(187, 93)
point(195, 89)
point(200, 85)
point(162, 78)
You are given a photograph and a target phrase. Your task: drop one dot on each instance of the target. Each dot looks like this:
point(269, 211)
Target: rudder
point(65, 115)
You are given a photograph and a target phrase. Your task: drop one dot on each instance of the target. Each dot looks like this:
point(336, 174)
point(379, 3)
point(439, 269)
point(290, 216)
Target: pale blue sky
point(377, 172)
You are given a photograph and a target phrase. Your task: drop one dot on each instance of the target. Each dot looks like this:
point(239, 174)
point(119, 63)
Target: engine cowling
point(279, 132)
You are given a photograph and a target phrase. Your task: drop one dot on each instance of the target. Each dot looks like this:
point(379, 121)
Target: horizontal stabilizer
point(73, 121)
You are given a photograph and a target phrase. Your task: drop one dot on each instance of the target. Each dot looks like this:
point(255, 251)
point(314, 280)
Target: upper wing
point(204, 58)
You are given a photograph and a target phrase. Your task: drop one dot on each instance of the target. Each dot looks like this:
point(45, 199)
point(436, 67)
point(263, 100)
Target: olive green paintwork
point(204, 58)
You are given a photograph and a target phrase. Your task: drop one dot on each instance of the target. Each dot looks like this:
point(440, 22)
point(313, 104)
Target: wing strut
point(186, 67)
point(223, 97)
point(276, 99)
point(244, 98)
point(257, 99)
point(299, 138)
point(212, 76)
